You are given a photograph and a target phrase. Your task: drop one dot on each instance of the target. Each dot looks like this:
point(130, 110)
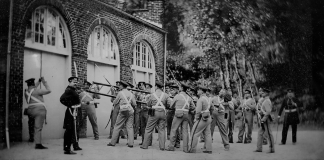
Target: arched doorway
point(143, 67)
point(47, 53)
point(103, 63)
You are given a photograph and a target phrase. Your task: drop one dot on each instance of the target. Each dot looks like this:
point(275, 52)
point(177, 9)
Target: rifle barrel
point(111, 96)
point(109, 85)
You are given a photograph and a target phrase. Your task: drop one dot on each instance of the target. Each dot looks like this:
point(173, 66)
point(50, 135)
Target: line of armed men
point(180, 112)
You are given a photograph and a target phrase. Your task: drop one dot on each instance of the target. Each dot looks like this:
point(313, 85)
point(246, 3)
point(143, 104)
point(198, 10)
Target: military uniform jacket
point(69, 98)
point(120, 100)
point(249, 104)
point(152, 101)
point(266, 109)
point(178, 102)
point(291, 111)
point(202, 105)
point(88, 97)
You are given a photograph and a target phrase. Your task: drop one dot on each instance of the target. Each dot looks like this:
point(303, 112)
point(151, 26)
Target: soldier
point(137, 110)
point(182, 104)
point(248, 107)
point(144, 113)
point(71, 100)
point(218, 113)
point(191, 92)
point(157, 103)
point(202, 122)
point(89, 105)
point(114, 114)
point(231, 120)
point(126, 101)
point(259, 104)
point(291, 117)
point(265, 112)
point(174, 89)
point(37, 108)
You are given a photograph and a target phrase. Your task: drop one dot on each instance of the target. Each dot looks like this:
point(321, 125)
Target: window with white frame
point(102, 46)
point(143, 62)
point(47, 31)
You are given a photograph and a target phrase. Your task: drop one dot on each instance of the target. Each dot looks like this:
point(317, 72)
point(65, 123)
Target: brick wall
point(155, 10)
point(80, 19)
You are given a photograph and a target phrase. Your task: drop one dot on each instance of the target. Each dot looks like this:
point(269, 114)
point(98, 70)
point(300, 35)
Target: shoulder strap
point(86, 95)
point(159, 100)
point(127, 101)
point(29, 95)
point(186, 101)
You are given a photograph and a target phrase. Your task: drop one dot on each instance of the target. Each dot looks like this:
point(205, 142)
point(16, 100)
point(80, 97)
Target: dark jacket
point(291, 117)
point(69, 98)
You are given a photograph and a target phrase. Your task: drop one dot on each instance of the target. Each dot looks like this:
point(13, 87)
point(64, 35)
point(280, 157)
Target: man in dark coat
point(291, 117)
point(70, 98)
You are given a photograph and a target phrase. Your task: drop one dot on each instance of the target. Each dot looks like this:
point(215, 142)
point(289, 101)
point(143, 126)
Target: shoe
point(69, 152)
point(248, 142)
point(96, 138)
point(40, 146)
point(162, 149)
point(271, 152)
point(141, 143)
point(230, 141)
point(209, 152)
point(282, 143)
point(177, 146)
point(109, 144)
point(201, 141)
point(109, 137)
point(226, 149)
point(257, 151)
point(123, 137)
point(169, 149)
point(239, 142)
point(150, 144)
point(77, 149)
point(143, 147)
point(130, 146)
point(31, 140)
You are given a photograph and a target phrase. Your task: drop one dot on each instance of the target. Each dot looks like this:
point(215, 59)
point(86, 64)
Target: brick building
point(103, 40)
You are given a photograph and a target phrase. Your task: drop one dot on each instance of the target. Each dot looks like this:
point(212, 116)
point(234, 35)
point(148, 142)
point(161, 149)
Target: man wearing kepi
point(157, 103)
point(182, 103)
point(265, 128)
point(291, 117)
point(248, 108)
point(36, 108)
point(89, 105)
point(126, 101)
point(202, 122)
point(71, 100)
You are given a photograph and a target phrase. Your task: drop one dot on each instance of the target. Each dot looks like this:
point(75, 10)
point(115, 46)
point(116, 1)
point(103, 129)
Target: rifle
point(178, 83)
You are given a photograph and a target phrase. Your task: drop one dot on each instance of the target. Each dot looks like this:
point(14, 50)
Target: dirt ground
point(310, 145)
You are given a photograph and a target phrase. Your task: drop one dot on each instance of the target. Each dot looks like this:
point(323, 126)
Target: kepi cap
point(71, 78)
point(30, 81)
point(159, 84)
point(125, 84)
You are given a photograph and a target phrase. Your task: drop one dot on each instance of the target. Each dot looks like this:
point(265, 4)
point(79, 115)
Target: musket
point(109, 85)
point(178, 83)
point(111, 96)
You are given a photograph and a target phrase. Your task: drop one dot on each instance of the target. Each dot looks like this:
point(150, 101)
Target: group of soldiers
point(186, 113)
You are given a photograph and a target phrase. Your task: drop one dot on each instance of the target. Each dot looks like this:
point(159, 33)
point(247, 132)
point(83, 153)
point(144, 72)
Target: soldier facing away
point(37, 108)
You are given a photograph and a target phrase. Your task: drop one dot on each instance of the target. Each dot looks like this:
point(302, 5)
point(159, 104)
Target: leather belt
point(290, 110)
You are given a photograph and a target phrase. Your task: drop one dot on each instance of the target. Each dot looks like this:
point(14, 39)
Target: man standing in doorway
point(89, 105)
point(36, 108)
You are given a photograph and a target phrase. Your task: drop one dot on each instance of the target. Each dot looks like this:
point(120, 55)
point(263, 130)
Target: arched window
point(143, 63)
point(102, 46)
point(47, 31)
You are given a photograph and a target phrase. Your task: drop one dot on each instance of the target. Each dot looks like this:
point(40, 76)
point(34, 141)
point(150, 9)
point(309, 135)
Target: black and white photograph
point(161, 79)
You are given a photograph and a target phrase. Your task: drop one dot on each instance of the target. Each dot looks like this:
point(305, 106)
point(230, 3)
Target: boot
point(40, 146)
point(76, 146)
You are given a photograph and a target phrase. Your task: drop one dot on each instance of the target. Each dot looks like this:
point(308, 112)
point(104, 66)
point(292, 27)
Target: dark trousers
point(31, 126)
point(69, 139)
point(137, 122)
point(285, 131)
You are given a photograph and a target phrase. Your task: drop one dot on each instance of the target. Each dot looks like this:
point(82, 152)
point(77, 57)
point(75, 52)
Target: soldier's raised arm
point(45, 90)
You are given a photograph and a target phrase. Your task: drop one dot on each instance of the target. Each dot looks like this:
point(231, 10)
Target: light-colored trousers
point(124, 119)
point(157, 120)
point(201, 127)
point(91, 113)
point(218, 118)
point(38, 112)
point(176, 122)
point(265, 130)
